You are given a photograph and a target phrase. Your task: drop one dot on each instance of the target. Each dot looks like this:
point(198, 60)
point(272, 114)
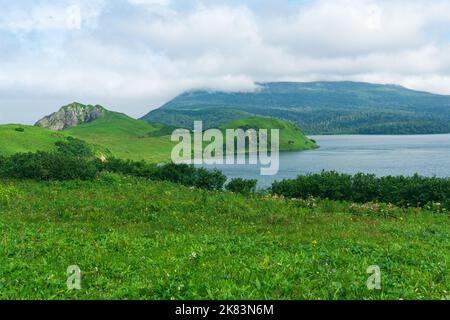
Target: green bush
point(415, 191)
point(243, 186)
point(71, 162)
point(19, 129)
point(47, 166)
point(177, 173)
point(74, 147)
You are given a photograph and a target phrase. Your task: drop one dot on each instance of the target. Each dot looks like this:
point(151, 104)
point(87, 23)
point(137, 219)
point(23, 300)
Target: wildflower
point(193, 255)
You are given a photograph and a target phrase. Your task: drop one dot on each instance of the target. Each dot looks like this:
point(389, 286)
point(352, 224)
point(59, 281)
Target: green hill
point(31, 139)
point(114, 134)
point(291, 137)
point(317, 107)
point(125, 137)
point(118, 135)
point(16, 138)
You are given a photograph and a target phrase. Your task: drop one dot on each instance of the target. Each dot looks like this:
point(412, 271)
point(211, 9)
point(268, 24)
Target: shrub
point(47, 166)
point(177, 173)
point(128, 167)
point(415, 191)
point(209, 180)
point(19, 129)
point(243, 186)
point(75, 148)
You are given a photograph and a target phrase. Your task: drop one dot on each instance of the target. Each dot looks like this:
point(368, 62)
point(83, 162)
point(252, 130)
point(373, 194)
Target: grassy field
point(32, 139)
point(138, 239)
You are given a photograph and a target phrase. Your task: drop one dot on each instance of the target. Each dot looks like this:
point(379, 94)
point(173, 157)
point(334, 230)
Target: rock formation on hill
point(71, 116)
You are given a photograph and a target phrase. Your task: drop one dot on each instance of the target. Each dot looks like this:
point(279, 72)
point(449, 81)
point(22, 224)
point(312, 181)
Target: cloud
point(137, 54)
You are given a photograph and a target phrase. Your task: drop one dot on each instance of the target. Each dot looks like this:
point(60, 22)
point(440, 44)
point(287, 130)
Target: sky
point(133, 56)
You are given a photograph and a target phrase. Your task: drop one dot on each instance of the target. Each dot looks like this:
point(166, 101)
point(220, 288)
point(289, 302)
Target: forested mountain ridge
point(317, 107)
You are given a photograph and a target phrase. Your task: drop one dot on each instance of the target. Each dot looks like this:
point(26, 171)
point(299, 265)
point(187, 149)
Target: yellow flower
point(314, 242)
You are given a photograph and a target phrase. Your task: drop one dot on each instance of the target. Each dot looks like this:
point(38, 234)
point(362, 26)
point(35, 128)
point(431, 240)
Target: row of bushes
point(183, 174)
point(362, 188)
point(47, 166)
point(62, 166)
point(74, 159)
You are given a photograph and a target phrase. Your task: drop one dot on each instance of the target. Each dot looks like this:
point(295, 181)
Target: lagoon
point(427, 155)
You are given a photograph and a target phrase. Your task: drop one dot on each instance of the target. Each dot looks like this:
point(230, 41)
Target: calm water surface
point(427, 155)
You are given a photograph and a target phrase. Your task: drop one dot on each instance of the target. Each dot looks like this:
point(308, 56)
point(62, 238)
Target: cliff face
point(71, 116)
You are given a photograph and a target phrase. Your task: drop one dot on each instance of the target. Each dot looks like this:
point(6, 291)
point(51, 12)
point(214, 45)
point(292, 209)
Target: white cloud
point(150, 2)
point(136, 59)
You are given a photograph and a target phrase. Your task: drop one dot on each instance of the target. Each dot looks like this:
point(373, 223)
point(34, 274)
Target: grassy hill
point(31, 139)
point(140, 239)
point(113, 135)
point(126, 137)
point(291, 137)
point(317, 107)
point(116, 134)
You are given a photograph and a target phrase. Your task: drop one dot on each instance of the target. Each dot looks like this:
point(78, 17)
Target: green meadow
point(138, 239)
point(120, 136)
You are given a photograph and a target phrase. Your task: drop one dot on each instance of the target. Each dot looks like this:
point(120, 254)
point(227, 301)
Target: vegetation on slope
point(125, 137)
point(67, 164)
point(21, 138)
point(317, 107)
point(291, 137)
point(140, 239)
point(120, 136)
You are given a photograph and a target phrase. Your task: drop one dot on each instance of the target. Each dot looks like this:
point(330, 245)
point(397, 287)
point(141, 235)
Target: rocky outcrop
point(71, 116)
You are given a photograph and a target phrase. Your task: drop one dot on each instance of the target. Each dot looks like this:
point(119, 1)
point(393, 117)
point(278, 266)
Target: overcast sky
point(134, 55)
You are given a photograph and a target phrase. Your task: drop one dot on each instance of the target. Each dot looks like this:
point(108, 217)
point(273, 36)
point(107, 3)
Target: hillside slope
point(126, 137)
point(21, 138)
point(31, 139)
point(291, 137)
point(113, 134)
point(118, 135)
point(317, 107)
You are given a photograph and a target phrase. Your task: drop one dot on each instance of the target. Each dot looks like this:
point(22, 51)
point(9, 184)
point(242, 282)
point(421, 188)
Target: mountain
point(71, 116)
point(317, 107)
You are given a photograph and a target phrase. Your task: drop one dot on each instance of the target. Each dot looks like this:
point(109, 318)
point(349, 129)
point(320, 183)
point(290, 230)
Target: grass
point(32, 139)
point(125, 137)
point(114, 135)
point(138, 239)
point(291, 137)
point(121, 136)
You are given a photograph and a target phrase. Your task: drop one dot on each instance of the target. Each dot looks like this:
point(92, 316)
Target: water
point(427, 155)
